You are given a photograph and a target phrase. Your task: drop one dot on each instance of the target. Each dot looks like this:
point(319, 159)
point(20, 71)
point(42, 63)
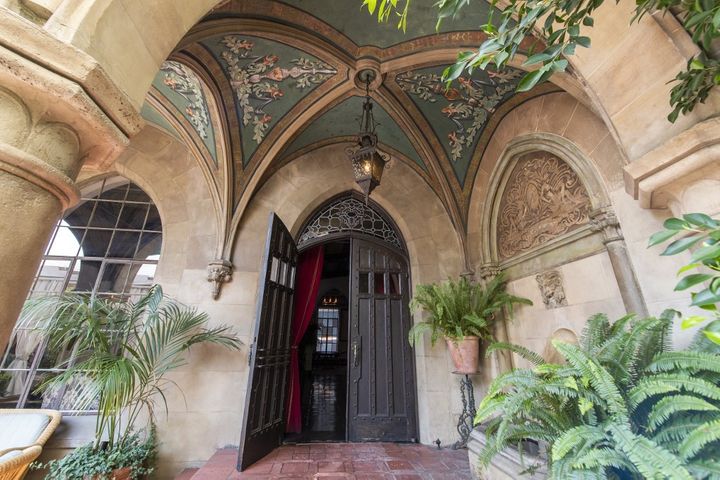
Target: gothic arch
point(579, 168)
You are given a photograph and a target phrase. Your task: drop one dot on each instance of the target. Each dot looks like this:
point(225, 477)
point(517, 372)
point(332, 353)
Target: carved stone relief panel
point(543, 199)
point(551, 289)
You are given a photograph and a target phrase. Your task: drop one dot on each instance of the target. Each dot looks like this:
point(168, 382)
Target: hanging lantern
point(367, 162)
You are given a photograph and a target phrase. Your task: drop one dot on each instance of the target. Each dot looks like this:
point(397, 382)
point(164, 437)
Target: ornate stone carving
point(219, 272)
point(488, 271)
point(604, 220)
point(543, 199)
point(551, 289)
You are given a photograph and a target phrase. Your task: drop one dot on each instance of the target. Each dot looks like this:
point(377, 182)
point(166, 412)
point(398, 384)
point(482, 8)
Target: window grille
point(108, 245)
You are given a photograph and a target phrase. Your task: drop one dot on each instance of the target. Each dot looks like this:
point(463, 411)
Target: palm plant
point(123, 351)
point(459, 308)
point(622, 407)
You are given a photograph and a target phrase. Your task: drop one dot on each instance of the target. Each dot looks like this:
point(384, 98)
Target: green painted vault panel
point(182, 87)
point(268, 78)
point(154, 117)
point(353, 20)
point(458, 114)
point(344, 120)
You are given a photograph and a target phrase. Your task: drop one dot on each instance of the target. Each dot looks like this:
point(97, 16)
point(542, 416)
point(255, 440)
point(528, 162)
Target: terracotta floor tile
point(366, 461)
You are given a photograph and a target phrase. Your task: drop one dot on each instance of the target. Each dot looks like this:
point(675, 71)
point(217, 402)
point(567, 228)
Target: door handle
point(355, 349)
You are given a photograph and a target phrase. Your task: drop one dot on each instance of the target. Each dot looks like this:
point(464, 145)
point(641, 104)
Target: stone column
point(58, 112)
point(604, 220)
point(503, 357)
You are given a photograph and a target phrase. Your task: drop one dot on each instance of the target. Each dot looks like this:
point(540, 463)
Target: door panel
point(381, 369)
point(269, 357)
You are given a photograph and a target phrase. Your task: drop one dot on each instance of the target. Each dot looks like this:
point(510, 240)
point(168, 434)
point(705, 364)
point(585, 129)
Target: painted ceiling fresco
point(268, 78)
point(150, 114)
point(344, 120)
point(458, 114)
point(348, 17)
point(182, 87)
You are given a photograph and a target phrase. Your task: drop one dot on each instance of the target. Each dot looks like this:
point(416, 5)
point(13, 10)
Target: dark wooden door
point(381, 367)
point(264, 420)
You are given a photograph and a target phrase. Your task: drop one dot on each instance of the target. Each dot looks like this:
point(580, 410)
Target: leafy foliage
point(702, 232)
point(124, 351)
point(622, 407)
point(559, 23)
point(460, 308)
point(90, 462)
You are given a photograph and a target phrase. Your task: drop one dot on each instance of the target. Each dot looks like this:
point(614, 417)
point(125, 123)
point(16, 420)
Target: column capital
point(604, 220)
point(489, 270)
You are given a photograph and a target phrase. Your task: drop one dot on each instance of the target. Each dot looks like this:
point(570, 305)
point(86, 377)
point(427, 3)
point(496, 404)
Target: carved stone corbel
point(219, 272)
point(488, 271)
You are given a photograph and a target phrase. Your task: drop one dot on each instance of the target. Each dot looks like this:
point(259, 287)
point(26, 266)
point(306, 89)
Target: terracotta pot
point(117, 474)
point(465, 354)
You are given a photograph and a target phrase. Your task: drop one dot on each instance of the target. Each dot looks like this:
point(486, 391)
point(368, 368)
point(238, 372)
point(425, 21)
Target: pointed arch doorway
point(356, 367)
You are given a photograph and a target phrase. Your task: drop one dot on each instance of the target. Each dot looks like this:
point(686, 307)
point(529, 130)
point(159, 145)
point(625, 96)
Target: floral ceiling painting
point(182, 87)
point(458, 114)
point(268, 78)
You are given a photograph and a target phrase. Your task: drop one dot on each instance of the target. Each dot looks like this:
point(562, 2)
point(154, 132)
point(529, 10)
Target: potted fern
point(123, 351)
point(463, 313)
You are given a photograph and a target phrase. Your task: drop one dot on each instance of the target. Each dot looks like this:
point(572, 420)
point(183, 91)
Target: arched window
point(108, 245)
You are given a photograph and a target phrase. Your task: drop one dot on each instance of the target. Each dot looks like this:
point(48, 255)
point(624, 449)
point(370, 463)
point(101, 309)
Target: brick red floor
point(328, 461)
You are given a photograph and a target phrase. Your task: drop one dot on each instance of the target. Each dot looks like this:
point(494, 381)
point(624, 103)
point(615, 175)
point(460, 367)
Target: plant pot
point(465, 354)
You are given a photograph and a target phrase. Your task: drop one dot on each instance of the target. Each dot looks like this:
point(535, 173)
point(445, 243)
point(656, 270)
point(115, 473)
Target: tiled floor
point(361, 461)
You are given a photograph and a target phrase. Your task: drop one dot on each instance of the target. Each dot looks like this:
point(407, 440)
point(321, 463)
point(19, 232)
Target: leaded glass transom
point(349, 215)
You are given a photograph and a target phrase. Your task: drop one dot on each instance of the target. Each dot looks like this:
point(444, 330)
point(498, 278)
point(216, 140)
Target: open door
point(381, 367)
point(269, 357)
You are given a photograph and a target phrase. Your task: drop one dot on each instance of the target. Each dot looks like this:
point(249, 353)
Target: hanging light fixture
point(367, 162)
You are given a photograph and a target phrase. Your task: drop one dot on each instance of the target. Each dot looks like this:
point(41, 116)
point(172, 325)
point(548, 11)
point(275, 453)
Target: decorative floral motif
point(467, 106)
point(256, 79)
point(349, 214)
point(183, 81)
point(543, 199)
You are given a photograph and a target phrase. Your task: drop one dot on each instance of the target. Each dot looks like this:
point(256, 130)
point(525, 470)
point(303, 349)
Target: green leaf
point(690, 322)
point(691, 280)
point(529, 81)
point(660, 237)
point(675, 224)
point(707, 252)
point(712, 331)
point(537, 58)
point(583, 41)
point(687, 267)
point(588, 21)
point(700, 219)
point(705, 297)
point(681, 245)
point(371, 4)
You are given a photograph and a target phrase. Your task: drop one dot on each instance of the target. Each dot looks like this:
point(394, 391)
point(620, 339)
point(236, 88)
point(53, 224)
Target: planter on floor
point(508, 464)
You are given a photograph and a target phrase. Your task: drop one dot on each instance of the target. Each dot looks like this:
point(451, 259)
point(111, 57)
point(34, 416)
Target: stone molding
point(219, 271)
point(39, 173)
point(63, 59)
point(649, 177)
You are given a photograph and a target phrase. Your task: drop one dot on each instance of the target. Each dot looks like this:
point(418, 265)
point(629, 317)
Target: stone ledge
point(507, 465)
point(35, 44)
point(691, 150)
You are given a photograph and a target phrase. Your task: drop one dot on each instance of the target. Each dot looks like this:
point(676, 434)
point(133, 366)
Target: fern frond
point(595, 333)
point(698, 438)
point(602, 458)
point(685, 360)
point(573, 437)
point(521, 351)
point(673, 404)
point(650, 459)
point(672, 382)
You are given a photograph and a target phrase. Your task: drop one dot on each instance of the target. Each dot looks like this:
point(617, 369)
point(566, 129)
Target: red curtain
point(309, 271)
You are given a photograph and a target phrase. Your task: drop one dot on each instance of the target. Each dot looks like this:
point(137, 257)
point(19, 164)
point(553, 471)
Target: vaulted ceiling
point(259, 82)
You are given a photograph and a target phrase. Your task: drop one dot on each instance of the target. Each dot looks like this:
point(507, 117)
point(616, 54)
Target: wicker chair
point(15, 460)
